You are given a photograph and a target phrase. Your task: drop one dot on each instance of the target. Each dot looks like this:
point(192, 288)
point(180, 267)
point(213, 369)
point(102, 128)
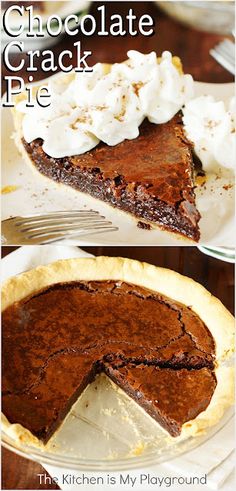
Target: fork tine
point(224, 54)
point(55, 226)
point(227, 44)
point(80, 234)
point(56, 216)
point(65, 231)
point(29, 231)
point(62, 223)
point(60, 212)
point(230, 44)
point(223, 62)
point(226, 51)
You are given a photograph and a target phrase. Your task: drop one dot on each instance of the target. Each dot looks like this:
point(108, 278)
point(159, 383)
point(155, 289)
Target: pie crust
point(163, 281)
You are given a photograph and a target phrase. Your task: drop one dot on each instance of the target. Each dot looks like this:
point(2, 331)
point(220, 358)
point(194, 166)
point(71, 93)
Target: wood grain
point(19, 473)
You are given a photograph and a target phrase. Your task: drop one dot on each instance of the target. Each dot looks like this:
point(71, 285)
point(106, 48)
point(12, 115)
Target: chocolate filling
point(150, 177)
point(57, 340)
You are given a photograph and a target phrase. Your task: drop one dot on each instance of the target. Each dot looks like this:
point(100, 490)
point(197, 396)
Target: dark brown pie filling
point(57, 340)
point(150, 177)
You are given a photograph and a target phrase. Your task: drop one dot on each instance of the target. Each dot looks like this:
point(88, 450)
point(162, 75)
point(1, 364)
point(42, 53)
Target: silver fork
point(224, 53)
point(53, 227)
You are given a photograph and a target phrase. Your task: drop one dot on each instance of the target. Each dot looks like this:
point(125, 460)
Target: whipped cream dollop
point(108, 104)
point(210, 125)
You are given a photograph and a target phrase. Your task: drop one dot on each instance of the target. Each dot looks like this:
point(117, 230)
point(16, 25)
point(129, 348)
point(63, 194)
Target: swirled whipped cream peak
point(210, 125)
point(108, 104)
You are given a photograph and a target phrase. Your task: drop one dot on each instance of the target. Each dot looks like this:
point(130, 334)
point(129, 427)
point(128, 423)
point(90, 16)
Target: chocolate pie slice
point(159, 336)
point(150, 177)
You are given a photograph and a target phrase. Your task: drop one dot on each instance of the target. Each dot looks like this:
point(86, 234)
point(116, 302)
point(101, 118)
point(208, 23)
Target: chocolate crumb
point(227, 186)
point(144, 225)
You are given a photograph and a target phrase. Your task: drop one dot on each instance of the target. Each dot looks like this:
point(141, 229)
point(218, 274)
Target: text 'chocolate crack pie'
point(65, 323)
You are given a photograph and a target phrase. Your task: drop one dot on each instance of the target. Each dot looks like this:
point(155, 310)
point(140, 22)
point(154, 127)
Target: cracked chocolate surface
point(57, 340)
point(150, 177)
point(169, 404)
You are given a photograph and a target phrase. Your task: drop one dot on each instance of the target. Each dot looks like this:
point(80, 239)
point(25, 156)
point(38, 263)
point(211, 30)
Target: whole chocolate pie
point(158, 335)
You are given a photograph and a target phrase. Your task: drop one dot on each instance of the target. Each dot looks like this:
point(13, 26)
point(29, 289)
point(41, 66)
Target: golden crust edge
point(222, 399)
point(19, 433)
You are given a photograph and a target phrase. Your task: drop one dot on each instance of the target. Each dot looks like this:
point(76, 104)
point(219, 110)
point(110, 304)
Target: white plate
point(35, 193)
point(218, 254)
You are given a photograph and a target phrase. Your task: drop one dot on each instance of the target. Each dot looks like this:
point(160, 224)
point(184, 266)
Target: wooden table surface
point(193, 47)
